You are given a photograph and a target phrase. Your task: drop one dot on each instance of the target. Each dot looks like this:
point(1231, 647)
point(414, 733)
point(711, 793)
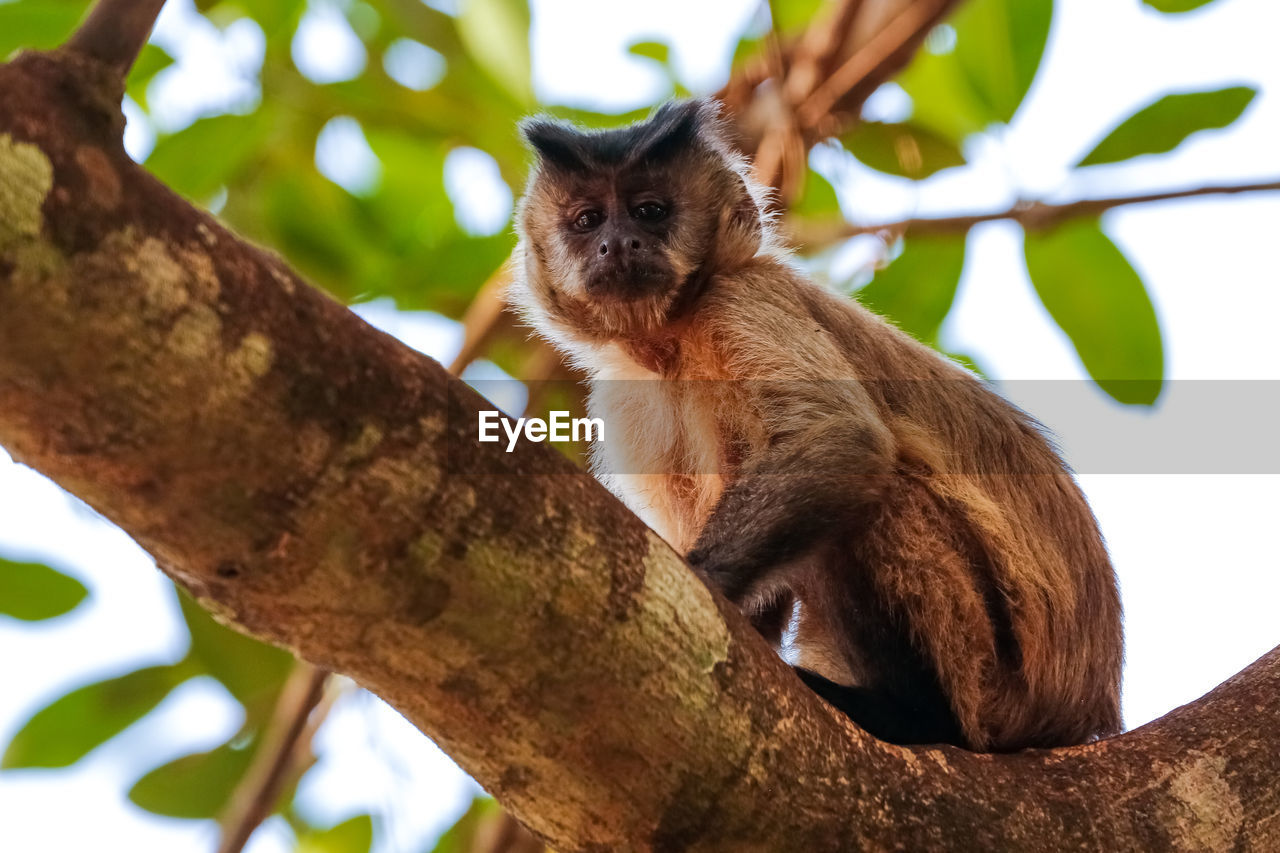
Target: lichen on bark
point(26, 176)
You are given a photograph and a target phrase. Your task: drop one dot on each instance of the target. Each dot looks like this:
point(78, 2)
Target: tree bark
point(316, 483)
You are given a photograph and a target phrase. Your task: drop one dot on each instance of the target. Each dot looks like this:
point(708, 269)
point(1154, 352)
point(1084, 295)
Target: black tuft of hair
point(556, 143)
point(674, 127)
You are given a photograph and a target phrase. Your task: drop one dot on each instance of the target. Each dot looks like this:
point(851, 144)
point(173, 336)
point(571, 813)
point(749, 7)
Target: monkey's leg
point(772, 619)
point(854, 651)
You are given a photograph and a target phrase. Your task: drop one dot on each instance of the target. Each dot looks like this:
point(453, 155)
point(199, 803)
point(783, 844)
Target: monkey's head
point(620, 229)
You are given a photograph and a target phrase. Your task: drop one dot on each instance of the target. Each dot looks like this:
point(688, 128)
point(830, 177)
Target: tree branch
point(1033, 215)
point(277, 755)
point(115, 32)
point(316, 482)
point(887, 49)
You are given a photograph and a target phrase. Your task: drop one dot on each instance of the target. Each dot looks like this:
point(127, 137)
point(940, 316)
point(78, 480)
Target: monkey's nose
point(619, 247)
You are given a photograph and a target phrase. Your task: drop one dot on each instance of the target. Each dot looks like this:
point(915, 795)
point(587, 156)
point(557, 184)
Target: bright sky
point(1195, 554)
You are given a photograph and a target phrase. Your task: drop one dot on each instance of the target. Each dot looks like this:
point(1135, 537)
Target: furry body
point(943, 578)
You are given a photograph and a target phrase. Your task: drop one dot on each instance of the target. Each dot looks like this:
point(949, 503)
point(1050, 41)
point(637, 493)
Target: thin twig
point(115, 32)
point(1033, 215)
point(485, 317)
point(819, 48)
point(255, 797)
point(910, 24)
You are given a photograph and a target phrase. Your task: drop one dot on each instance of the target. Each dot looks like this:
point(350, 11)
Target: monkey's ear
point(741, 228)
point(556, 144)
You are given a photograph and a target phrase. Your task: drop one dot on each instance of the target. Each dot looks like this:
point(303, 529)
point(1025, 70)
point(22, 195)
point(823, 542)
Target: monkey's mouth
point(629, 282)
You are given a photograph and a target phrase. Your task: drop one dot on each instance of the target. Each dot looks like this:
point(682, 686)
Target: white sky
point(1195, 554)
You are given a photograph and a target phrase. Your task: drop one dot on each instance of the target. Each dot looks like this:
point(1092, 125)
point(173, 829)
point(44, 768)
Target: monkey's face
point(617, 227)
point(617, 232)
point(615, 244)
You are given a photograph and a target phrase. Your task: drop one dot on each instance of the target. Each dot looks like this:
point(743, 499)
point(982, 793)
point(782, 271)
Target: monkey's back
point(982, 549)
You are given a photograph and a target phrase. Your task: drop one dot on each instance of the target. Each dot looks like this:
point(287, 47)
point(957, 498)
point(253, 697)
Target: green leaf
point(275, 17)
point(1163, 125)
point(942, 99)
point(65, 731)
point(496, 33)
point(1175, 6)
point(31, 591)
point(1098, 299)
point(792, 16)
point(38, 25)
point(902, 149)
point(350, 836)
point(198, 160)
point(984, 78)
point(151, 61)
point(253, 672)
point(197, 786)
point(918, 288)
point(655, 50)
point(999, 44)
point(819, 201)
point(460, 838)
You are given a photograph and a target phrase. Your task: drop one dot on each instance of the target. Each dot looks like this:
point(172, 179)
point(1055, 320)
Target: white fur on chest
point(661, 454)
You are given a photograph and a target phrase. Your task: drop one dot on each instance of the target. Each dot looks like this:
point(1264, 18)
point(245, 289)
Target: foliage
point(399, 234)
point(31, 592)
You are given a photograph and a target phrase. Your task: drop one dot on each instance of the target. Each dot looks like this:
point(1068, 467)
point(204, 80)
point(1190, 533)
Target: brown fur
point(800, 449)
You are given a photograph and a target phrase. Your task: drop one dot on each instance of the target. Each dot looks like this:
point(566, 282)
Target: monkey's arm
point(829, 457)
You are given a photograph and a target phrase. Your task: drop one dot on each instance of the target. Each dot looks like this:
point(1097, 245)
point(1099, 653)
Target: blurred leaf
point(31, 591)
point(819, 201)
point(312, 221)
point(902, 149)
point(1096, 296)
point(350, 836)
point(253, 672)
point(460, 838)
point(983, 79)
point(590, 118)
point(66, 730)
point(276, 17)
point(496, 33)
point(655, 50)
point(411, 204)
point(451, 272)
point(917, 289)
point(941, 98)
point(999, 44)
point(151, 61)
point(1163, 125)
point(38, 25)
point(792, 16)
point(1172, 6)
point(196, 786)
point(198, 160)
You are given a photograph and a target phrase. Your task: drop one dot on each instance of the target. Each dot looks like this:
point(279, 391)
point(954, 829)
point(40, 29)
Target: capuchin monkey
point(912, 540)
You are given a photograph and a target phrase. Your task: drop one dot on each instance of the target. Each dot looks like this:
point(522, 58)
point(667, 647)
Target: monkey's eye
point(588, 220)
point(650, 211)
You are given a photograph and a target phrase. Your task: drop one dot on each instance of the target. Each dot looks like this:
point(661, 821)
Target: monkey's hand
point(784, 504)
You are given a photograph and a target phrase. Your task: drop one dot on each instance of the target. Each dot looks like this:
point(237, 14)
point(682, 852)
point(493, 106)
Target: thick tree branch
point(115, 32)
point(316, 483)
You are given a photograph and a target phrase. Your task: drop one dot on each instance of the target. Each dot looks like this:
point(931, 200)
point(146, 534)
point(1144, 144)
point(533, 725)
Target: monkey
point(910, 541)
